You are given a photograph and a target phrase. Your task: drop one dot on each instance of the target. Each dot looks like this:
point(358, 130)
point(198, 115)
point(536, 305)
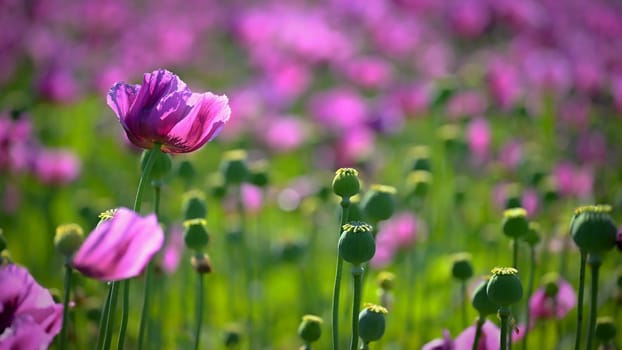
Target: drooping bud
point(201, 263)
point(462, 269)
point(234, 167)
point(194, 205)
point(515, 224)
point(310, 329)
point(195, 234)
point(379, 203)
point(504, 287)
point(481, 302)
point(233, 336)
point(605, 329)
point(372, 323)
point(592, 229)
point(346, 182)
point(356, 244)
point(68, 239)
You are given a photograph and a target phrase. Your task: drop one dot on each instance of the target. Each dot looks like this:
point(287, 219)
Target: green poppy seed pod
point(68, 239)
point(186, 171)
point(462, 269)
point(605, 329)
point(234, 167)
point(201, 263)
point(195, 234)
point(372, 322)
point(310, 328)
point(420, 158)
point(233, 336)
point(386, 280)
point(592, 229)
point(504, 287)
point(162, 164)
point(217, 186)
point(259, 173)
point(533, 234)
point(356, 244)
point(2, 241)
point(346, 182)
point(481, 302)
point(194, 205)
point(515, 224)
point(418, 182)
point(551, 284)
point(379, 203)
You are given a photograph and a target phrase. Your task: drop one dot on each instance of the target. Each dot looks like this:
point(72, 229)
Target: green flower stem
point(248, 265)
point(463, 298)
point(504, 314)
point(365, 346)
point(357, 274)
point(532, 267)
point(101, 334)
point(110, 316)
point(345, 208)
point(577, 339)
point(478, 331)
point(595, 262)
point(137, 204)
point(515, 254)
point(63, 334)
point(199, 310)
point(148, 277)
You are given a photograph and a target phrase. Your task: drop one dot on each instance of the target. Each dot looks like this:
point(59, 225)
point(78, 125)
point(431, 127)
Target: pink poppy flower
point(444, 343)
point(489, 340)
point(542, 306)
point(119, 248)
point(56, 166)
point(479, 138)
point(164, 111)
point(29, 317)
point(172, 252)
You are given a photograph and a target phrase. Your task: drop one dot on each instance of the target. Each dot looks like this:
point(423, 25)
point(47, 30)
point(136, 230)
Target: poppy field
point(362, 174)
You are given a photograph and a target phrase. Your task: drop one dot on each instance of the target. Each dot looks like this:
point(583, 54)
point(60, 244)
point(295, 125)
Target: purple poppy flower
point(120, 247)
point(542, 306)
point(619, 240)
point(56, 166)
point(489, 340)
point(444, 343)
point(164, 111)
point(173, 250)
point(29, 317)
point(479, 138)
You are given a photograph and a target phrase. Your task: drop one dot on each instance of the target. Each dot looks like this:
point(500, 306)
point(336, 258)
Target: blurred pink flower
point(355, 145)
point(252, 199)
point(469, 18)
point(591, 147)
point(29, 317)
point(164, 111)
point(283, 134)
point(413, 99)
point(58, 85)
point(504, 83)
point(399, 232)
point(171, 254)
point(572, 180)
point(338, 109)
point(478, 138)
point(489, 340)
point(56, 166)
point(444, 343)
point(369, 72)
point(466, 104)
point(511, 154)
point(542, 306)
point(119, 248)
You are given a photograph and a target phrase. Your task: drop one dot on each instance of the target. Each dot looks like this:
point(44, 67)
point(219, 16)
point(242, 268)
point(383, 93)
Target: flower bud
point(605, 329)
point(592, 229)
point(550, 191)
point(356, 244)
point(233, 336)
point(379, 203)
point(372, 322)
point(68, 239)
point(515, 224)
point(310, 328)
point(419, 156)
point(533, 234)
point(504, 287)
point(418, 182)
point(201, 263)
point(259, 174)
point(346, 182)
point(186, 171)
point(162, 164)
point(194, 205)
point(386, 280)
point(462, 269)
point(481, 302)
point(234, 168)
point(195, 234)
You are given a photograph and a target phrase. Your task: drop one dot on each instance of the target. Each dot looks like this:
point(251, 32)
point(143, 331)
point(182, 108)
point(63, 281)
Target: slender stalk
point(345, 207)
point(504, 315)
point(103, 318)
point(532, 267)
point(110, 316)
point(357, 274)
point(125, 312)
point(148, 278)
point(478, 331)
point(577, 339)
point(595, 262)
point(63, 334)
point(199, 310)
point(463, 297)
point(249, 271)
point(515, 254)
